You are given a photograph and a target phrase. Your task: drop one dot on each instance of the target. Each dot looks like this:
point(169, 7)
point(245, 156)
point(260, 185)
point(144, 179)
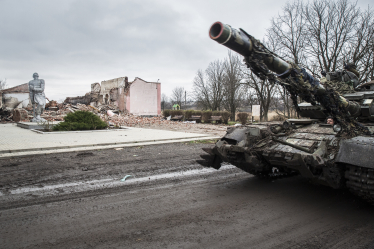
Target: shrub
point(205, 116)
point(166, 113)
point(216, 113)
point(176, 112)
point(278, 117)
point(224, 114)
point(80, 120)
point(225, 117)
point(188, 114)
point(196, 113)
point(243, 116)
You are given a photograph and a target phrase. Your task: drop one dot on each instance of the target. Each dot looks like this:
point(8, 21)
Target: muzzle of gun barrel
point(240, 42)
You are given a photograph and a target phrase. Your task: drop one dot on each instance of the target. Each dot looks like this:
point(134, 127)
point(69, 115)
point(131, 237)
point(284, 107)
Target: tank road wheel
point(273, 174)
point(360, 181)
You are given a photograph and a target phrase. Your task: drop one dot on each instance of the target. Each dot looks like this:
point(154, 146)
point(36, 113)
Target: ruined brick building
point(138, 97)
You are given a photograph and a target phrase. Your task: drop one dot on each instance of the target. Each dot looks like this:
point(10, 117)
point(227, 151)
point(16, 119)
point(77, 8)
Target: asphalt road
point(77, 200)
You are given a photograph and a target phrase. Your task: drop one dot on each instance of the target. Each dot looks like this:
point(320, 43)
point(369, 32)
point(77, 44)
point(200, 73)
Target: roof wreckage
point(339, 156)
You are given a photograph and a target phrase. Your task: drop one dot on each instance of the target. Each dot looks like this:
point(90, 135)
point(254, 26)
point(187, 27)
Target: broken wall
point(108, 85)
point(144, 98)
point(18, 93)
point(121, 98)
point(21, 97)
point(95, 94)
point(86, 99)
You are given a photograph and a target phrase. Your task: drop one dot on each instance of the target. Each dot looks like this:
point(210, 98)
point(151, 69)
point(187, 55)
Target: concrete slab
point(70, 132)
point(16, 141)
point(32, 125)
point(97, 147)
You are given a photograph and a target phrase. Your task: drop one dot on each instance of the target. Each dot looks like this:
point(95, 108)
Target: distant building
point(176, 107)
point(14, 97)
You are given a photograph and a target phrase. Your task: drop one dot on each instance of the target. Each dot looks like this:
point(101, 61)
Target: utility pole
point(185, 94)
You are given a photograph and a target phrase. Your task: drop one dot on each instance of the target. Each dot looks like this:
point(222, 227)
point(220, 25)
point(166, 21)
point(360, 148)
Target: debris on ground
point(5, 115)
point(112, 116)
point(124, 179)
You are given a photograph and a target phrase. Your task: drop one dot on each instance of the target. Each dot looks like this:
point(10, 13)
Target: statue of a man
point(37, 97)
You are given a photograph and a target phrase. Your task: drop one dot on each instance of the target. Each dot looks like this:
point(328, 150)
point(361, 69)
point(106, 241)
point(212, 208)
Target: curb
point(91, 145)
point(63, 149)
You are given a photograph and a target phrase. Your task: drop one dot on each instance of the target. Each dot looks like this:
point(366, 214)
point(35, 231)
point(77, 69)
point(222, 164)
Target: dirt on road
point(84, 200)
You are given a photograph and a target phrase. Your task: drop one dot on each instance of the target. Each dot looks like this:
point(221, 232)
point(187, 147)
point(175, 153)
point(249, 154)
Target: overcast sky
point(73, 43)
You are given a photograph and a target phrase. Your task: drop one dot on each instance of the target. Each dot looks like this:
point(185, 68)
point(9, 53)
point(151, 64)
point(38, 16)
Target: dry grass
point(278, 117)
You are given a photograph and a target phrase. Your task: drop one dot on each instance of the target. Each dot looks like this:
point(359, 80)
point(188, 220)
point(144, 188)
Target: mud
point(77, 200)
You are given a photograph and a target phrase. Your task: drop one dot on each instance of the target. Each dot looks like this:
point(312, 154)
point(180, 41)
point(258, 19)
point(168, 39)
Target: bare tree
point(3, 84)
point(324, 34)
point(164, 100)
point(360, 50)
point(201, 91)
point(232, 83)
point(216, 77)
point(286, 105)
point(263, 90)
point(287, 33)
point(178, 96)
point(330, 26)
point(249, 96)
point(208, 86)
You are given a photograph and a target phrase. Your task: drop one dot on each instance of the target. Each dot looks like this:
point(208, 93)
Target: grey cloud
point(73, 43)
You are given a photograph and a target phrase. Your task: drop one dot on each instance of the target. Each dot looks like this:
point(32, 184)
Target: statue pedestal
point(38, 120)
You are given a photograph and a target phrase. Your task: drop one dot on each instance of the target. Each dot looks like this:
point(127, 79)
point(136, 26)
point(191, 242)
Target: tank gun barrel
point(241, 42)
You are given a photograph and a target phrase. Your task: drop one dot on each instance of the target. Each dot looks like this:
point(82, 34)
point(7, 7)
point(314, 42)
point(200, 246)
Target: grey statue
point(37, 97)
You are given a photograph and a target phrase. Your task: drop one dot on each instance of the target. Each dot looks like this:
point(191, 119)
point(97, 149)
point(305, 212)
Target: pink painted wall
point(144, 98)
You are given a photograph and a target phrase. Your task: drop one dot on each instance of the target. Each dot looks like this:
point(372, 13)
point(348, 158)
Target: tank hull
point(312, 150)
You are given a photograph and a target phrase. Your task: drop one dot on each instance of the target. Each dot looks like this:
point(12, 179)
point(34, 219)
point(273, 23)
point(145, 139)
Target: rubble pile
point(127, 119)
point(108, 113)
point(64, 109)
point(160, 123)
point(56, 112)
point(5, 115)
point(115, 118)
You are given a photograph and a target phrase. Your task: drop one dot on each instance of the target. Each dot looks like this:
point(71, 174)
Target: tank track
point(212, 160)
point(360, 181)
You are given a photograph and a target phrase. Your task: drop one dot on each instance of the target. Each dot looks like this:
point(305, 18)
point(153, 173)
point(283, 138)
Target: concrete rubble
point(5, 115)
point(57, 111)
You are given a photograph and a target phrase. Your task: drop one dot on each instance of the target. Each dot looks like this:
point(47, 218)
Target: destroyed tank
point(339, 155)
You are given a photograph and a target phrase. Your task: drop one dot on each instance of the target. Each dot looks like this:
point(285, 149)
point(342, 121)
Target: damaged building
point(138, 97)
point(15, 97)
